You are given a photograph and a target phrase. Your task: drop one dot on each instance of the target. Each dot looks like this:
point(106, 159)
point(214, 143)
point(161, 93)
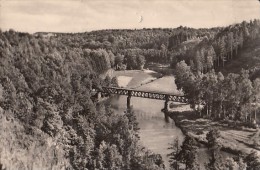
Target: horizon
point(133, 29)
point(74, 16)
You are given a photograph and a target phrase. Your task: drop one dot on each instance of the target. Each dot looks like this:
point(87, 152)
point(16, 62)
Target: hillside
point(46, 84)
point(202, 49)
point(248, 59)
point(48, 118)
point(19, 148)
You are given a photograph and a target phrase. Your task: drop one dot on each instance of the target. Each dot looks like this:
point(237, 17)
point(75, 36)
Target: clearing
point(135, 78)
point(238, 139)
point(168, 83)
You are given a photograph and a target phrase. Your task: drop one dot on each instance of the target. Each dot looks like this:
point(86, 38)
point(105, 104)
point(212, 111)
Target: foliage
point(215, 160)
point(231, 97)
point(175, 149)
point(252, 161)
point(214, 50)
point(188, 153)
point(212, 137)
point(46, 85)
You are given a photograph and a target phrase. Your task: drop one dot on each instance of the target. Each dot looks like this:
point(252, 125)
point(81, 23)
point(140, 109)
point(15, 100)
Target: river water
point(155, 132)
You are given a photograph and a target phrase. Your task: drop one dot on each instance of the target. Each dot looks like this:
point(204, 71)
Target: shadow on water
point(156, 131)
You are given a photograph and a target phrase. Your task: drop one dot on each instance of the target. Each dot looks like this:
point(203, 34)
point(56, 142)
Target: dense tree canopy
point(229, 97)
point(47, 85)
point(47, 81)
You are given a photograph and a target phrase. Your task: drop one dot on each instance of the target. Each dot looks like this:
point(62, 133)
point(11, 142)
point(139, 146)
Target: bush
point(212, 137)
point(199, 132)
point(52, 123)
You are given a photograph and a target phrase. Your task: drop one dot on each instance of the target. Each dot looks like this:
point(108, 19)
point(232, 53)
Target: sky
point(87, 15)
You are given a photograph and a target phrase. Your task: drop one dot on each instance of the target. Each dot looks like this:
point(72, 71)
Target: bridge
point(144, 94)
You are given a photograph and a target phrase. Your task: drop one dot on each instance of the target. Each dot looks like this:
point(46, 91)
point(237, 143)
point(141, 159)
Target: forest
point(202, 49)
point(45, 96)
point(233, 96)
point(47, 81)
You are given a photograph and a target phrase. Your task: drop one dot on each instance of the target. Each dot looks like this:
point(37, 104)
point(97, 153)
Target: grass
point(236, 140)
point(147, 80)
point(123, 81)
point(165, 84)
point(139, 77)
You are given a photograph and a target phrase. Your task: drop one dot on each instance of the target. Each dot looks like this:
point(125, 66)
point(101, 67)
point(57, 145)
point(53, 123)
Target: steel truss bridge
point(144, 94)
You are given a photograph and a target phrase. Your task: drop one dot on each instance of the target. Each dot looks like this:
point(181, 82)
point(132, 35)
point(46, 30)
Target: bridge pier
point(166, 117)
point(128, 103)
point(166, 103)
point(165, 109)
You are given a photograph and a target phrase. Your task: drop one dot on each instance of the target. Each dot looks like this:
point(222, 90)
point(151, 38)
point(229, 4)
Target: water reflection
point(155, 132)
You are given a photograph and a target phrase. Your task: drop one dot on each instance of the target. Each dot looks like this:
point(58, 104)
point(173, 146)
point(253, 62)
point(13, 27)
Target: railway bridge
point(144, 94)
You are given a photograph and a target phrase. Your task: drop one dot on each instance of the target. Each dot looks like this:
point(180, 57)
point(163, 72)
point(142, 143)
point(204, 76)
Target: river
point(155, 132)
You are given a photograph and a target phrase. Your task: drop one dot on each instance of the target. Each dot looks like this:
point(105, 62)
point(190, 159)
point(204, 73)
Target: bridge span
point(144, 94)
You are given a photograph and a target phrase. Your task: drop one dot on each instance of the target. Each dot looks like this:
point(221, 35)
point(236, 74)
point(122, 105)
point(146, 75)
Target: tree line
point(213, 52)
point(202, 49)
point(46, 86)
point(232, 97)
point(156, 45)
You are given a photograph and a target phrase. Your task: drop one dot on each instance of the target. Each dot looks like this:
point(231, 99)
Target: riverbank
point(133, 78)
point(155, 133)
point(232, 140)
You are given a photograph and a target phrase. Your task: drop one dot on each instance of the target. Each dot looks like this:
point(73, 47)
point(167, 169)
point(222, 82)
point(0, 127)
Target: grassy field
point(135, 78)
point(146, 80)
point(123, 81)
point(237, 139)
point(165, 84)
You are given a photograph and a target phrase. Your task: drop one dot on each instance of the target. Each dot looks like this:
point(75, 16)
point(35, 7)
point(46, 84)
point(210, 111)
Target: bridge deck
point(144, 94)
